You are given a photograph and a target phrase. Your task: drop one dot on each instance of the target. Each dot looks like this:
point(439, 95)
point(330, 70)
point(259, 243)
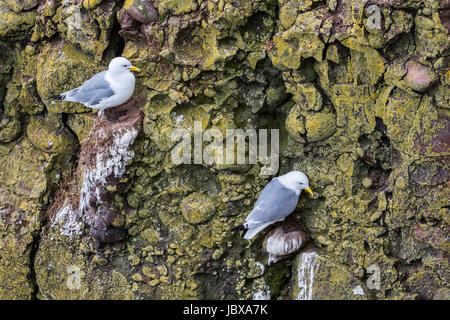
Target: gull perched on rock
point(106, 89)
point(277, 200)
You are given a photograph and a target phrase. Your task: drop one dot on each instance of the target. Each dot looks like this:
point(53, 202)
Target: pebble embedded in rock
point(197, 208)
point(419, 77)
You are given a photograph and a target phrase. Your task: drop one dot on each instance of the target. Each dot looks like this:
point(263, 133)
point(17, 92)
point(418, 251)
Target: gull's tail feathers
point(239, 228)
point(252, 228)
point(66, 96)
point(255, 230)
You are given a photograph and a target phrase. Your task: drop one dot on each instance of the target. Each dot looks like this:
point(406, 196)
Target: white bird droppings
point(69, 220)
point(305, 277)
point(262, 295)
point(358, 290)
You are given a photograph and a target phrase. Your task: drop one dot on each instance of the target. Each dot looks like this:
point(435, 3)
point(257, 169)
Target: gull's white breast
point(123, 87)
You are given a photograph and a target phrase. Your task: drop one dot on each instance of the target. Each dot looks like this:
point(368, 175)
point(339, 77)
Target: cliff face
point(359, 91)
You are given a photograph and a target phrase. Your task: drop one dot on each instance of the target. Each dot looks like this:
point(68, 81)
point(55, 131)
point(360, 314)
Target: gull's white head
point(121, 65)
point(295, 180)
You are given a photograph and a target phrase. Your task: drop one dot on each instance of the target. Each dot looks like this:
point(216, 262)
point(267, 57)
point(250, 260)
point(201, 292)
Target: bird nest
point(101, 138)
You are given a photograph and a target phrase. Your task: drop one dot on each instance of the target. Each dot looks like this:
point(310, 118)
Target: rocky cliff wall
point(359, 91)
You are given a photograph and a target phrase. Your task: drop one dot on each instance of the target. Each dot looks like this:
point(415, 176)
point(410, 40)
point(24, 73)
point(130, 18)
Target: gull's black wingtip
point(58, 97)
point(239, 228)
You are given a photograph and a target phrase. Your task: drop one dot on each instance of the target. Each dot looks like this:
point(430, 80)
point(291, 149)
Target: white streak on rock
point(305, 277)
point(262, 295)
point(358, 290)
point(111, 161)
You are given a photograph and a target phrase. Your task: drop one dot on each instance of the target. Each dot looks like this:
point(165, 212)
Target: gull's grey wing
point(274, 203)
point(92, 91)
point(96, 96)
point(97, 82)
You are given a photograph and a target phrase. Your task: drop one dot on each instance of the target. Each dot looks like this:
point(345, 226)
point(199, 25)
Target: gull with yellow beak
point(106, 89)
point(277, 200)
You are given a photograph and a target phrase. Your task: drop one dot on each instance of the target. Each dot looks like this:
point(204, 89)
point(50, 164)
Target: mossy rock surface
point(363, 111)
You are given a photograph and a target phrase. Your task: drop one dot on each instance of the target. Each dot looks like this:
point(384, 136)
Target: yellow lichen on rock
point(12, 23)
point(197, 208)
point(91, 4)
point(320, 126)
point(362, 111)
point(44, 135)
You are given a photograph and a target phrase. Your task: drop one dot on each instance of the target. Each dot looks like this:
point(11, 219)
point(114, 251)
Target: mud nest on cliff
point(100, 137)
point(103, 132)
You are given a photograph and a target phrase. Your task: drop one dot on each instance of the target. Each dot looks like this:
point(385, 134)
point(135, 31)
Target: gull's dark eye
point(124, 65)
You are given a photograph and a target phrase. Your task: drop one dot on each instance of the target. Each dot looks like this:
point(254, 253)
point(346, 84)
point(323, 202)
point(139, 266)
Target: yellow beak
point(307, 189)
point(134, 69)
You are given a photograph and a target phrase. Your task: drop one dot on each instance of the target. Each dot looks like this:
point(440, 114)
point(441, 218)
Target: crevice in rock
point(117, 41)
point(5, 75)
point(32, 256)
point(65, 121)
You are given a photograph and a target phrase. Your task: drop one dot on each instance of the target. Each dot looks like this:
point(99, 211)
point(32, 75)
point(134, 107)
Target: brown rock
point(107, 215)
point(143, 11)
point(109, 236)
point(126, 21)
point(99, 224)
